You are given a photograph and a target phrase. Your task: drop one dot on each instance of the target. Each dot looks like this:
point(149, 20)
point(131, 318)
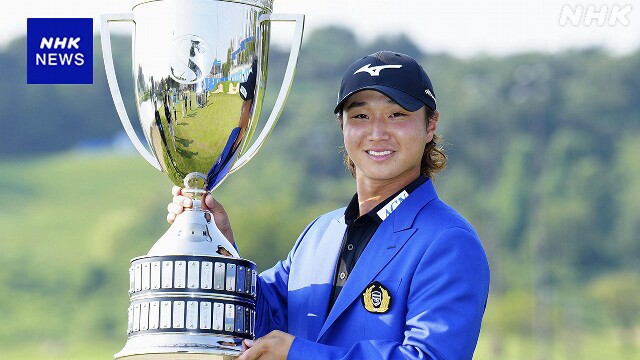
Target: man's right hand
point(220, 217)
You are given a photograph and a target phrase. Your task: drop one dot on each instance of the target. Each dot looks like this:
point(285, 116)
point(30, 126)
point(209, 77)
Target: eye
point(359, 116)
point(397, 115)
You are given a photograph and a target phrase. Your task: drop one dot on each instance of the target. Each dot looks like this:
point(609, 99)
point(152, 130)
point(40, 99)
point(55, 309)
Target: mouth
point(379, 154)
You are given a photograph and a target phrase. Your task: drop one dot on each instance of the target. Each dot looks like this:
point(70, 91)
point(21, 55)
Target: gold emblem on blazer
point(376, 298)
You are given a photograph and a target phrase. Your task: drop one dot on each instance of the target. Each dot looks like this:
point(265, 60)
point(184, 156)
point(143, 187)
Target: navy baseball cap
point(396, 75)
point(248, 88)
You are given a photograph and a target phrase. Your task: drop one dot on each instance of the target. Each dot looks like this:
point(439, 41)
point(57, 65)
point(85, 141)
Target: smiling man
point(397, 274)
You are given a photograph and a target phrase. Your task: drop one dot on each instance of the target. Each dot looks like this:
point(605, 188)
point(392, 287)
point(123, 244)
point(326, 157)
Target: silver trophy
point(199, 72)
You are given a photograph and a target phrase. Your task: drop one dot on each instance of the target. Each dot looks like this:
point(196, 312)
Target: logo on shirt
point(376, 298)
point(392, 205)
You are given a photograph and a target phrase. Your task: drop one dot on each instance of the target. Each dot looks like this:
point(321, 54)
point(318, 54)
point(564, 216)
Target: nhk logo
point(60, 51)
point(56, 58)
point(601, 15)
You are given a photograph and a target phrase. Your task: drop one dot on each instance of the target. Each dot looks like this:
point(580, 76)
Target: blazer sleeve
point(272, 293)
point(446, 302)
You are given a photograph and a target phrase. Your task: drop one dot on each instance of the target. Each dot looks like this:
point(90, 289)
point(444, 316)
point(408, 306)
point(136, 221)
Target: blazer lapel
point(328, 250)
point(390, 237)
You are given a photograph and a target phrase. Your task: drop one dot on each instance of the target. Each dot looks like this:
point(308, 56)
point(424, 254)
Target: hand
point(220, 217)
point(273, 346)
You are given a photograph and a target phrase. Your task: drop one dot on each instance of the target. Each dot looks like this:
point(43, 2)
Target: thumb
point(211, 204)
point(248, 342)
point(219, 216)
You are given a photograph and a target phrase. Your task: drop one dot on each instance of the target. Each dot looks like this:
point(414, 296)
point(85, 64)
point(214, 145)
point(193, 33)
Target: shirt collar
point(353, 209)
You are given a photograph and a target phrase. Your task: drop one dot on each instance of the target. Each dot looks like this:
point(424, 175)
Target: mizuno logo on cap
point(375, 71)
point(428, 92)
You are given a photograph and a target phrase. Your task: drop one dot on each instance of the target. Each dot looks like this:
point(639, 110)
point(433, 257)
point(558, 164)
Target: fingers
point(182, 201)
point(248, 353)
point(246, 344)
point(274, 345)
point(178, 204)
point(175, 208)
point(171, 217)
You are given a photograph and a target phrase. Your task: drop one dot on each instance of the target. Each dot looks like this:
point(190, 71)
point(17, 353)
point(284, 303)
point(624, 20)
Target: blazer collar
point(390, 237)
point(406, 213)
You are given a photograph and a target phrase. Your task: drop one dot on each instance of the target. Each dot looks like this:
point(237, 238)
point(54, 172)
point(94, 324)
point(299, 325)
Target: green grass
point(63, 351)
point(201, 134)
point(70, 224)
point(79, 200)
point(583, 345)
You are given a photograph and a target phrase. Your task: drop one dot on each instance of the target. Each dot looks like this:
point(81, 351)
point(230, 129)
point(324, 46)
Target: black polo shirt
point(360, 230)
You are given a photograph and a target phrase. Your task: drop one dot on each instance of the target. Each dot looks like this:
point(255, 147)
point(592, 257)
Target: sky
point(460, 27)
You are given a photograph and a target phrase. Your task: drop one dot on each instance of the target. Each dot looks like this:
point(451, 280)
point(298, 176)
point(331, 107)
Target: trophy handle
point(284, 89)
point(107, 55)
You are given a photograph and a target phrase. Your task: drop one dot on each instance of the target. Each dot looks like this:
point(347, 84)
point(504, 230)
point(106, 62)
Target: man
point(398, 274)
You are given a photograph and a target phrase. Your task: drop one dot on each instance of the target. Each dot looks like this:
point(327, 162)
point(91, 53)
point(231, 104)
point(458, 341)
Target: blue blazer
point(425, 254)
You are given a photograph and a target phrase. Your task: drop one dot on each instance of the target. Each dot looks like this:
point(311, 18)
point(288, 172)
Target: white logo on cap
point(428, 92)
point(375, 71)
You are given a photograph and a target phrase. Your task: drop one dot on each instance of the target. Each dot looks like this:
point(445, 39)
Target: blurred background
point(541, 123)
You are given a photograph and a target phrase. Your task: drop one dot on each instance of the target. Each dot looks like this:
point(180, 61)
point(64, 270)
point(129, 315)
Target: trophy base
point(189, 307)
point(181, 347)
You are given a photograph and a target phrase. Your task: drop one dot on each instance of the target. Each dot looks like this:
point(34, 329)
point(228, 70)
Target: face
point(385, 141)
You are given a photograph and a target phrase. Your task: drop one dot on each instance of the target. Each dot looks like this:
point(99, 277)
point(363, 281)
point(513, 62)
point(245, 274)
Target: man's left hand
point(273, 346)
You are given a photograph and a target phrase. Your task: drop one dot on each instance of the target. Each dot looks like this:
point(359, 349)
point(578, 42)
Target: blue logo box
point(60, 51)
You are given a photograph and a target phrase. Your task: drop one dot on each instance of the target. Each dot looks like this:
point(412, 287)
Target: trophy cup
point(199, 71)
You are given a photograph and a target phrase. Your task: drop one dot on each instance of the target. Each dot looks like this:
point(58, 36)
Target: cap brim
point(403, 99)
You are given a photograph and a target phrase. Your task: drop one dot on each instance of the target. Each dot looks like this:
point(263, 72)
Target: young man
point(398, 274)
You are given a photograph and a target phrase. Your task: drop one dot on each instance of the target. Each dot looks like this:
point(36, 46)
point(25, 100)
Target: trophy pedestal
point(187, 301)
point(193, 233)
point(178, 347)
point(190, 306)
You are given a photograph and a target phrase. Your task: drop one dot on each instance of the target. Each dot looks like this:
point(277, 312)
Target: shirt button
point(350, 247)
point(343, 275)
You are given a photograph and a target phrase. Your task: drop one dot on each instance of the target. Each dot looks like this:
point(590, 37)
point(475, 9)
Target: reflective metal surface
point(199, 71)
point(265, 4)
point(187, 315)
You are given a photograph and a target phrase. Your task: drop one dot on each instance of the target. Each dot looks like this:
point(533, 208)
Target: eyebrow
point(356, 104)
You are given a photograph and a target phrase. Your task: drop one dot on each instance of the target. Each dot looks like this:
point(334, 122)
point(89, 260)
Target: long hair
point(433, 160)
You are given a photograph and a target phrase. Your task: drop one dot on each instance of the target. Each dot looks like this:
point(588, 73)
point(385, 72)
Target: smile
point(379, 153)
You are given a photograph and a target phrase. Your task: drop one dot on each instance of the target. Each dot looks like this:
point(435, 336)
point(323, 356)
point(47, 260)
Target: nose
point(378, 130)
